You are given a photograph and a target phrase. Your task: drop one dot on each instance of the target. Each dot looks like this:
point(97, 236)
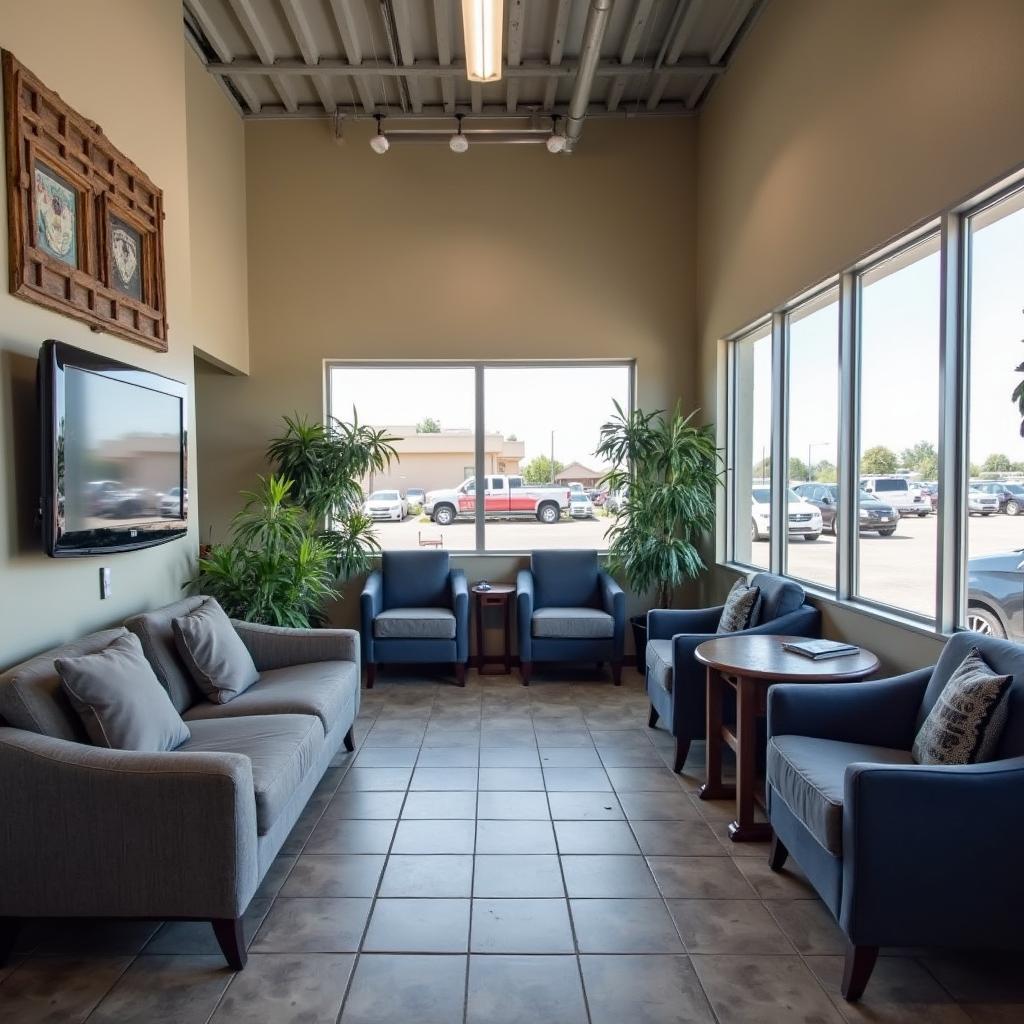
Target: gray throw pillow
point(967, 720)
point(738, 612)
point(120, 700)
point(214, 653)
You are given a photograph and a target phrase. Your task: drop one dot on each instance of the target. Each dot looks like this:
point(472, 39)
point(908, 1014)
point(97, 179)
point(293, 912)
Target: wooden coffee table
point(750, 665)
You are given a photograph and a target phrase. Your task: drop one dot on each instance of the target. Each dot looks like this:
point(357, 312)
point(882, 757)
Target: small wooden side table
point(498, 596)
point(749, 665)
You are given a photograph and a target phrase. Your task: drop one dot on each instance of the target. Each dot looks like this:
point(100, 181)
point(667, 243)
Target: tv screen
point(114, 450)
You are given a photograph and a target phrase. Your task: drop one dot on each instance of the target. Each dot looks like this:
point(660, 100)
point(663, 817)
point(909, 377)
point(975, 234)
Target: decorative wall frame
point(85, 224)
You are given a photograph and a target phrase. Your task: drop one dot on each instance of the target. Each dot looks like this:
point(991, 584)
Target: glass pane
point(431, 410)
point(752, 446)
point(899, 427)
point(543, 424)
point(813, 438)
point(995, 504)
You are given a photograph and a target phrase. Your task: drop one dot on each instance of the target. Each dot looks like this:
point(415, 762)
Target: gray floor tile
point(787, 884)
point(287, 989)
point(433, 875)
point(512, 736)
point(576, 780)
point(418, 926)
point(569, 757)
point(700, 878)
point(58, 990)
point(388, 988)
point(449, 757)
point(765, 989)
point(347, 874)
point(386, 757)
point(446, 804)
point(608, 877)
point(623, 757)
point(509, 757)
point(436, 779)
point(557, 735)
point(595, 837)
point(372, 779)
point(810, 926)
point(624, 926)
point(584, 806)
point(197, 938)
point(362, 804)
point(520, 805)
point(525, 990)
point(727, 926)
point(463, 738)
point(514, 837)
point(621, 739)
point(644, 990)
point(275, 876)
point(509, 779)
point(109, 937)
point(312, 925)
point(511, 876)
point(433, 836)
point(658, 806)
point(391, 734)
point(643, 780)
point(521, 926)
point(165, 990)
point(343, 835)
point(677, 838)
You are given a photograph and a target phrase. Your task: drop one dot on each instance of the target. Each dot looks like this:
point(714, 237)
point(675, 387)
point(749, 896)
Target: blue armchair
point(415, 609)
point(902, 854)
point(677, 684)
point(569, 609)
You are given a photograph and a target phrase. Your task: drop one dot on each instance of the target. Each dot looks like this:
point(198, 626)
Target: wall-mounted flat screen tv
point(115, 445)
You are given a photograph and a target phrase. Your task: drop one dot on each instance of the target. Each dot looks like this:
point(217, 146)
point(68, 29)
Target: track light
point(481, 22)
point(379, 143)
point(458, 143)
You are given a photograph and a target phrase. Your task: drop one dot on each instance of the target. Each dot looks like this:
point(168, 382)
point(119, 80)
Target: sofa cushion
point(415, 624)
point(659, 663)
point(120, 700)
point(157, 635)
point(31, 695)
point(808, 774)
point(214, 653)
point(740, 608)
point(327, 689)
point(416, 579)
point(779, 597)
point(565, 579)
point(572, 623)
point(282, 748)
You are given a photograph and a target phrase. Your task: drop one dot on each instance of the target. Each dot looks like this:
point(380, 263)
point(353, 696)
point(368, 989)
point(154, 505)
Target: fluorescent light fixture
point(482, 21)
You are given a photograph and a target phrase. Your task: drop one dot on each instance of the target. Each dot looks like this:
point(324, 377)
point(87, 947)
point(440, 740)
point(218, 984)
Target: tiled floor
point(500, 854)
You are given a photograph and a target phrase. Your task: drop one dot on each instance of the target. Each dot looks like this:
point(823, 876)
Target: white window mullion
point(780, 446)
point(848, 467)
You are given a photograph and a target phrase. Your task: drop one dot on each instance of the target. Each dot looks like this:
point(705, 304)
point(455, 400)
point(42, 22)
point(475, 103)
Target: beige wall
point(838, 126)
point(88, 52)
point(506, 252)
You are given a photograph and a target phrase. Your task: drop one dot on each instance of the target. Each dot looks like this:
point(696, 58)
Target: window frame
point(952, 227)
point(479, 367)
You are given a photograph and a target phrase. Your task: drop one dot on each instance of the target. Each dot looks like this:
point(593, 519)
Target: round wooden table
point(749, 665)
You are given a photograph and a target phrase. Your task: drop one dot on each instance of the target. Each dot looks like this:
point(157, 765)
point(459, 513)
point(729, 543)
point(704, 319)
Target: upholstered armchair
point(677, 684)
point(903, 854)
point(415, 609)
point(569, 609)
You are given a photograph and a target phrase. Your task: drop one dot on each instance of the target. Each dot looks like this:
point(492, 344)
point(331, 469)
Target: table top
point(762, 656)
point(496, 588)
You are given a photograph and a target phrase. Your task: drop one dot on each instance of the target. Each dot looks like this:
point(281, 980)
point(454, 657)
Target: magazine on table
point(820, 650)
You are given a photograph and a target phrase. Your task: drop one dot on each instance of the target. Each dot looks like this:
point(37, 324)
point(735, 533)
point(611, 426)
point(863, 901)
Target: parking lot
point(501, 535)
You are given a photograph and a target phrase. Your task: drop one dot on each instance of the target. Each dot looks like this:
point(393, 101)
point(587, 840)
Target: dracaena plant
point(672, 470)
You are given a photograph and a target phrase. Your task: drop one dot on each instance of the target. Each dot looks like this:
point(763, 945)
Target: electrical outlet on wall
point(104, 583)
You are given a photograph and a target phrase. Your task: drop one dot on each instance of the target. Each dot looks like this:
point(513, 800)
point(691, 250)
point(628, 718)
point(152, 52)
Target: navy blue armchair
point(569, 609)
point(677, 684)
point(902, 854)
point(415, 609)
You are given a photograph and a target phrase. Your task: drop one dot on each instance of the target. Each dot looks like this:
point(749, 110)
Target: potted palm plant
point(671, 468)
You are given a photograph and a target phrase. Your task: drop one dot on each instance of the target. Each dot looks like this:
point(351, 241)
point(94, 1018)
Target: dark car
point(995, 595)
point(1011, 496)
point(875, 515)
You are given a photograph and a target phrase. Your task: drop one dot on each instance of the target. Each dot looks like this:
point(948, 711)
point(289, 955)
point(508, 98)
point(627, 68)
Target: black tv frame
point(54, 357)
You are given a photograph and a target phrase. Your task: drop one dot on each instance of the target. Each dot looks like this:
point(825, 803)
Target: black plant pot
point(639, 624)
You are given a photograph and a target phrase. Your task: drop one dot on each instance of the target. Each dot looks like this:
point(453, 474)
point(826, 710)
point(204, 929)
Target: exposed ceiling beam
point(634, 36)
point(443, 31)
point(671, 51)
point(213, 36)
point(514, 49)
point(729, 35)
point(560, 24)
point(403, 29)
point(295, 15)
point(493, 111)
point(257, 36)
point(345, 23)
point(201, 50)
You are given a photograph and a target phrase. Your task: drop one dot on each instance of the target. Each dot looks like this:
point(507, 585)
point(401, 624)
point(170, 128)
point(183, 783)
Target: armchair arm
point(460, 605)
point(88, 831)
point(524, 613)
point(931, 854)
point(279, 646)
point(371, 604)
point(881, 713)
point(665, 623)
point(613, 600)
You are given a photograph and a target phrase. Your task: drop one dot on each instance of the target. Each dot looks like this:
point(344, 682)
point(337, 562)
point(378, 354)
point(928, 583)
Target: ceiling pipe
point(590, 55)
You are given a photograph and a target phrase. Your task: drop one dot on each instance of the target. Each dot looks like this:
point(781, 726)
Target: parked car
point(874, 515)
point(386, 505)
point(505, 497)
point(415, 496)
point(931, 492)
point(1009, 496)
point(981, 503)
point(170, 502)
point(804, 519)
point(904, 495)
point(995, 595)
point(580, 505)
point(616, 501)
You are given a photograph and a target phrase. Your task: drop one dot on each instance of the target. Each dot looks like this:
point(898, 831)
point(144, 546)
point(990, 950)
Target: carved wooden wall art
point(85, 224)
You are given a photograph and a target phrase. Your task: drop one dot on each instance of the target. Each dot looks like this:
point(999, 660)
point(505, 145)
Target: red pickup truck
point(505, 497)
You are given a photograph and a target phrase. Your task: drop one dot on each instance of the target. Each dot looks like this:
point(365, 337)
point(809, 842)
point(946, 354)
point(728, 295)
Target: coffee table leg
point(713, 788)
point(745, 828)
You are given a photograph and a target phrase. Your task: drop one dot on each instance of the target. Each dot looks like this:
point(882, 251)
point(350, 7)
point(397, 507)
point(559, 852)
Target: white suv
point(899, 492)
point(804, 519)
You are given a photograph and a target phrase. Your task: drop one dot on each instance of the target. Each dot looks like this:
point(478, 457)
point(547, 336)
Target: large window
point(526, 432)
point(892, 387)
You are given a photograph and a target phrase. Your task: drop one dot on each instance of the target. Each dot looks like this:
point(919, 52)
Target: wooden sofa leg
point(460, 673)
point(524, 671)
point(617, 673)
point(350, 739)
point(371, 675)
point(652, 718)
point(9, 929)
point(860, 962)
point(777, 855)
point(231, 940)
point(682, 749)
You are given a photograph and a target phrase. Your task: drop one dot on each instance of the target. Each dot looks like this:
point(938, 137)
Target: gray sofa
point(189, 834)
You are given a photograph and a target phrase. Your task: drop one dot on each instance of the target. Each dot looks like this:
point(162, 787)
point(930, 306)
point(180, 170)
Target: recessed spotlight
point(555, 143)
